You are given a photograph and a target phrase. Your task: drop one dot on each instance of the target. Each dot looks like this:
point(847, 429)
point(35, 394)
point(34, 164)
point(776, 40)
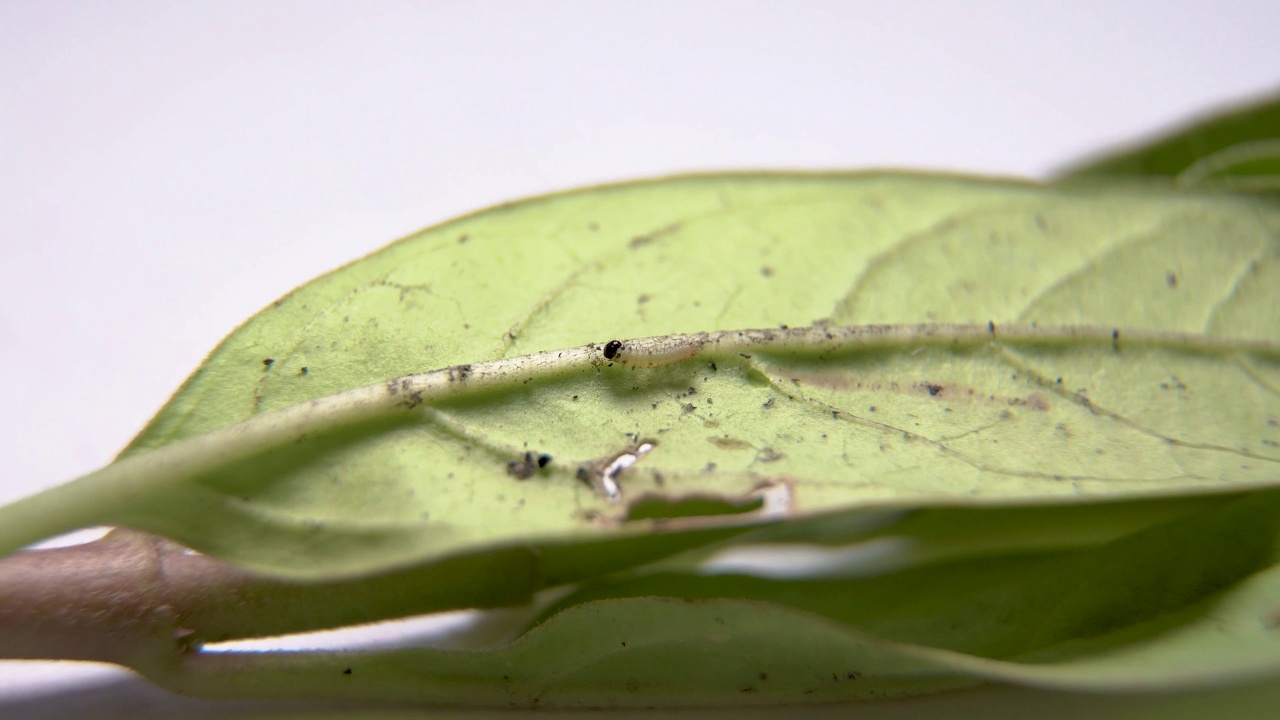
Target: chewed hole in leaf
point(657, 507)
point(770, 500)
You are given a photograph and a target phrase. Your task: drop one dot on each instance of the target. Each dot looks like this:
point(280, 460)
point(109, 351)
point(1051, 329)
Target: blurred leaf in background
point(1236, 149)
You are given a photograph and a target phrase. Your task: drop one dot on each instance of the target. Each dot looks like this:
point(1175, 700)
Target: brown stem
point(102, 601)
point(143, 602)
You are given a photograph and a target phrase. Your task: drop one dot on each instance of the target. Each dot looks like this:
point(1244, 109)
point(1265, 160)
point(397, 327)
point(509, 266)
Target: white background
point(169, 168)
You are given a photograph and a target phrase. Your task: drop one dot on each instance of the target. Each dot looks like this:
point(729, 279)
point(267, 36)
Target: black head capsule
point(611, 349)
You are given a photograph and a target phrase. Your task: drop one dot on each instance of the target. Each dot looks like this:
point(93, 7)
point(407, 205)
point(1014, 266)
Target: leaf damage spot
point(459, 373)
point(930, 388)
point(404, 386)
point(779, 498)
point(702, 505)
point(769, 455)
point(523, 468)
point(769, 500)
point(529, 464)
point(728, 443)
point(640, 241)
point(1034, 401)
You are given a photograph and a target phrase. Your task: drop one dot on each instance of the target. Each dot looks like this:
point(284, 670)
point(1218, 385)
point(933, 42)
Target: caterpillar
point(651, 355)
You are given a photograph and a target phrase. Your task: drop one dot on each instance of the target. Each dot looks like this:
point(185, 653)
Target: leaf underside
point(1011, 510)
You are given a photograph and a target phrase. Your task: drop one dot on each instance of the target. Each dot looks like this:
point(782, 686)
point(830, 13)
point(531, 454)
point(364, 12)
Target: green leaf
point(661, 651)
point(312, 466)
point(1237, 149)
point(1003, 603)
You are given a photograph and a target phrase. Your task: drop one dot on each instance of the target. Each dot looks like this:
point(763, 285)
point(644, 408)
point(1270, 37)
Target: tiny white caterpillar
point(604, 477)
point(653, 354)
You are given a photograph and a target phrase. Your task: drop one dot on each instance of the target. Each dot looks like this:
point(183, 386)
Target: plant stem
point(143, 602)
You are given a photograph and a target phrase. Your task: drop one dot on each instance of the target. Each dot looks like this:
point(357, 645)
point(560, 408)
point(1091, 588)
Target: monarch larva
point(651, 355)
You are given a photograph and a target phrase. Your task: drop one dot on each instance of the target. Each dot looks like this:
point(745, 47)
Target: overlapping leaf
point(1097, 620)
point(1238, 148)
